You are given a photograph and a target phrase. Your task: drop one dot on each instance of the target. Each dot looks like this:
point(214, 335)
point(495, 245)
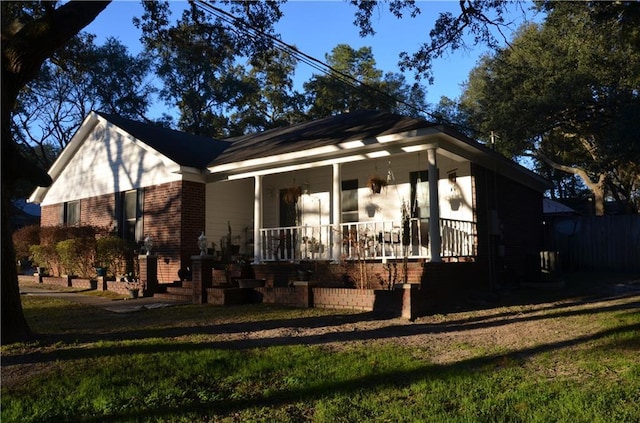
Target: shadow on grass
point(397, 379)
point(396, 328)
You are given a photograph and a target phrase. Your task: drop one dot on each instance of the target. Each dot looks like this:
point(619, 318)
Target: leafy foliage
point(360, 86)
point(564, 92)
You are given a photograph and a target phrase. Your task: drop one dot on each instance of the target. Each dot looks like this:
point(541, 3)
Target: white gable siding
point(109, 161)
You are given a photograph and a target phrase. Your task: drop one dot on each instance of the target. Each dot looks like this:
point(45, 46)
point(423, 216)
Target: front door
point(288, 217)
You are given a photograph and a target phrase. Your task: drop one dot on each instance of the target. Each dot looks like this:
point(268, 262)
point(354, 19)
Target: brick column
point(202, 277)
point(149, 273)
point(409, 299)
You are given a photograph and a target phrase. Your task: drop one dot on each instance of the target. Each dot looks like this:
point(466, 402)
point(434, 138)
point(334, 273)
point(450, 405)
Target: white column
point(336, 211)
point(257, 219)
point(434, 205)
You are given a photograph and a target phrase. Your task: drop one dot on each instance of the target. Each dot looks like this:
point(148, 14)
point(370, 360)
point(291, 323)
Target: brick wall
point(98, 211)
point(519, 212)
point(193, 220)
point(174, 214)
point(344, 274)
point(353, 299)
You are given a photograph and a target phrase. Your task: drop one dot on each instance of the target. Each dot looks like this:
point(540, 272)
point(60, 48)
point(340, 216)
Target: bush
point(24, 238)
point(113, 253)
point(60, 249)
point(77, 256)
point(45, 256)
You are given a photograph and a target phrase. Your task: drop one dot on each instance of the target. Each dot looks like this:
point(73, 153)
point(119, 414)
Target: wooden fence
point(603, 243)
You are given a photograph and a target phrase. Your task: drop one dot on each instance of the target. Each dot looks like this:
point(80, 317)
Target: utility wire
point(239, 25)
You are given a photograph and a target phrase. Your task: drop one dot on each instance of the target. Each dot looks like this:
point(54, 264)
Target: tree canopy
point(566, 92)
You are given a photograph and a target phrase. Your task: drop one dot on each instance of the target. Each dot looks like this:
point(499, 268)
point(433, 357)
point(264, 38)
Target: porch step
point(176, 293)
point(173, 296)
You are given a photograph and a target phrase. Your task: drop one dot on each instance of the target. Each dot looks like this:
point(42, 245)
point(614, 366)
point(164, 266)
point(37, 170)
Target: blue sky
point(316, 27)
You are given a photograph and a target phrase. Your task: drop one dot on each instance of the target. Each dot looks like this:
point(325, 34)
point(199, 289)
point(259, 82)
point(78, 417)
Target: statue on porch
point(202, 244)
point(148, 244)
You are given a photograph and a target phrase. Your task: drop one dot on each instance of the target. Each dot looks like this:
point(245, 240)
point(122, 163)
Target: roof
point(185, 149)
point(332, 130)
point(555, 207)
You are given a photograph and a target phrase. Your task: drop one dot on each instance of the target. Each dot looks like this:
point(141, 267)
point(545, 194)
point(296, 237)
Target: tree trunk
point(14, 325)
point(23, 53)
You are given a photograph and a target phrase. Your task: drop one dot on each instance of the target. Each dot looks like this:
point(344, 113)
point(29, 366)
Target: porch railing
point(367, 240)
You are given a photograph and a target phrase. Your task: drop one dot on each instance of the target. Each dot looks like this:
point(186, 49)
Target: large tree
point(354, 83)
point(33, 31)
point(566, 93)
point(80, 77)
point(27, 41)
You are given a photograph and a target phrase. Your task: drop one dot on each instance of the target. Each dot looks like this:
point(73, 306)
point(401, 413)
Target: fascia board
point(339, 153)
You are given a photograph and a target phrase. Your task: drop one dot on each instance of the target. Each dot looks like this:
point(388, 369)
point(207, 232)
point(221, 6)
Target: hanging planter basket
point(376, 183)
point(292, 194)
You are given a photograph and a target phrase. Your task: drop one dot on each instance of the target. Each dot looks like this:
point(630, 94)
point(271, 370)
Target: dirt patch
point(522, 329)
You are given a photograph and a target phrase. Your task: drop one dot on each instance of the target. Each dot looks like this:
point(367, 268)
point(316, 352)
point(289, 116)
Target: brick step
point(179, 290)
point(176, 297)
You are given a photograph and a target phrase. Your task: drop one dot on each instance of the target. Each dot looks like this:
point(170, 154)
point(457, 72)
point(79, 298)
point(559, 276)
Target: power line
point(238, 24)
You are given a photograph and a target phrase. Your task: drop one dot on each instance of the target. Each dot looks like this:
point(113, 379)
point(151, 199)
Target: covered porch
point(335, 216)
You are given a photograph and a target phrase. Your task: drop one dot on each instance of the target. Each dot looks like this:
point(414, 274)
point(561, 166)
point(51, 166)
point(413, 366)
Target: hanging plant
point(376, 183)
point(292, 194)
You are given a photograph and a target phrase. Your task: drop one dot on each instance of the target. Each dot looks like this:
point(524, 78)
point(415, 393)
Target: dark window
point(70, 215)
point(350, 201)
point(129, 214)
point(419, 194)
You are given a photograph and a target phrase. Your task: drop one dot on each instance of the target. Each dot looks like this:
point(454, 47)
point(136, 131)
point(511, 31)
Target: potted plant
point(292, 194)
point(133, 285)
point(376, 183)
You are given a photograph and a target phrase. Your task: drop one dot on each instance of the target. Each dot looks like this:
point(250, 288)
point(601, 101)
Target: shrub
point(112, 253)
point(77, 256)
point(46, 256)
point(24, 238)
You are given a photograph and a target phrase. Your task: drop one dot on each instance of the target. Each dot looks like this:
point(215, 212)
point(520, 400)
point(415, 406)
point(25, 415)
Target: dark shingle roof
point(185, 149)
point(318, 133)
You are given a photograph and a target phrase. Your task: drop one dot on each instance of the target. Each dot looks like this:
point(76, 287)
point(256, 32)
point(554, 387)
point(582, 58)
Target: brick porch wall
point(174, 214)
point(331, 275)
point(353, 299)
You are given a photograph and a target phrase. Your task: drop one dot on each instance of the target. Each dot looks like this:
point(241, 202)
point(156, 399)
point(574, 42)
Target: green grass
point(95, 366)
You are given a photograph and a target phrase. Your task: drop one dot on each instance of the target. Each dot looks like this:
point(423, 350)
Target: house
point(300, 194)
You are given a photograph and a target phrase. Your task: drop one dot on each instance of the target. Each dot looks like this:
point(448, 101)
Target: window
point(419, 194)
point(70, 213)
point(350, 201)
point(129, 215)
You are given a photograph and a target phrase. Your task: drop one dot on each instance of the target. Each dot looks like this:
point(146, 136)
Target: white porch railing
point(367, 240)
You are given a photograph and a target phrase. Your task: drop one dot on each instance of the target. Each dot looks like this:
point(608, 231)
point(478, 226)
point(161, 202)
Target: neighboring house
point(145, 180)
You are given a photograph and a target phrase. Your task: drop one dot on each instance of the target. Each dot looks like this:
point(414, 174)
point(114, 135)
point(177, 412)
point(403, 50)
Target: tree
point(268, 99)
point(52, 107)
point(357, 84)
point(566, 93)
point(27, 41)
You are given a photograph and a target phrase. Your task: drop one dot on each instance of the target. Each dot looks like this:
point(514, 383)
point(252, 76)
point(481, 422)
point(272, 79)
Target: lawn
point(574, 359)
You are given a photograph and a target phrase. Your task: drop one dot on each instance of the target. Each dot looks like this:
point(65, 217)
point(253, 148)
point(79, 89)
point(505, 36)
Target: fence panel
point(605, 243)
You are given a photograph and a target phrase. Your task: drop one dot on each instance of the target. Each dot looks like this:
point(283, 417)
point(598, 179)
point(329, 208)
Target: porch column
point(336, 211)
point(257, 219)
point(434, 205)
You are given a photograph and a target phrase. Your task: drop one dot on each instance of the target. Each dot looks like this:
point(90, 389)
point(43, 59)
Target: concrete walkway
point(113, 305)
